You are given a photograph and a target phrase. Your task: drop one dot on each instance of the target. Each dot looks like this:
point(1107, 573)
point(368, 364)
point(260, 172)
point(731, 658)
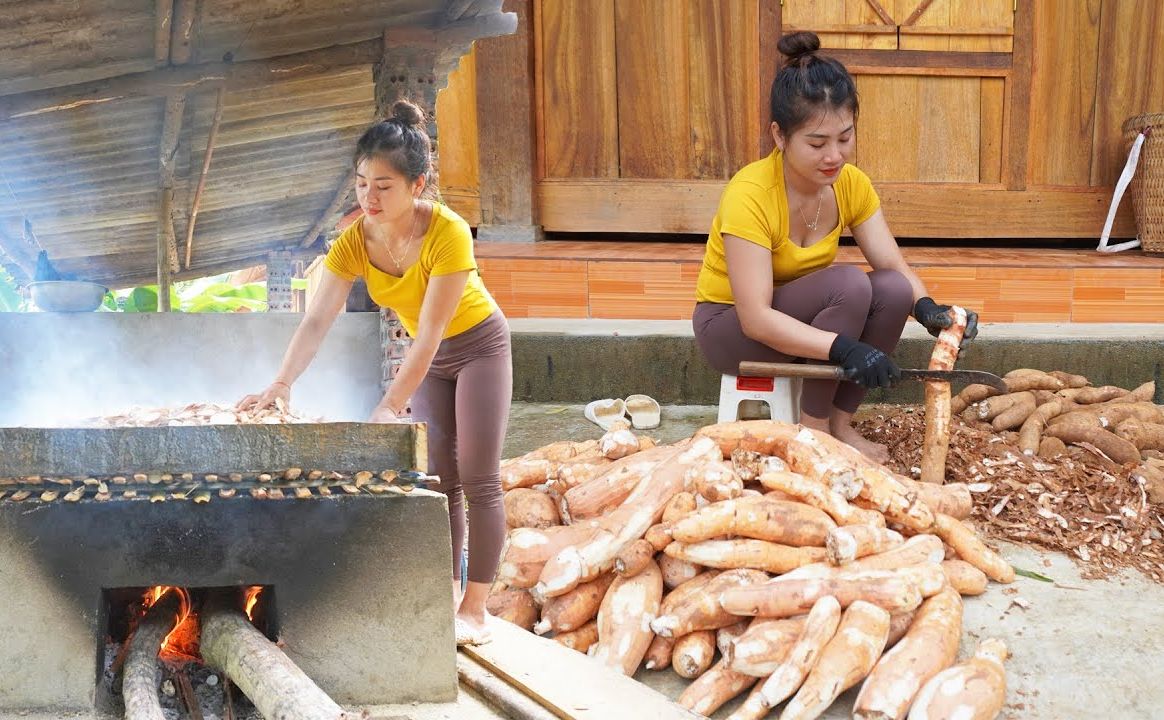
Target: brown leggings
point(465, 398)
point(871, 307)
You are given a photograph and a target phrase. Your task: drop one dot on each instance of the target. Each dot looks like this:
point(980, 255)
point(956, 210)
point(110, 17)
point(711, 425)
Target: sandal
point(605, 413)
point(643, 411)
point(466, 634)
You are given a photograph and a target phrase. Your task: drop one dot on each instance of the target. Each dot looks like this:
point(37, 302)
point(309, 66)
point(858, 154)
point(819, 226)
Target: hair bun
point(407, 113)
point(798, 47)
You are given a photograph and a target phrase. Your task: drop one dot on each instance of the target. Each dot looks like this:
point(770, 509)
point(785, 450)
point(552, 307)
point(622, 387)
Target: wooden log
point(277, 687)
point(139, 686)
point(342, 191)
point(197, 202)
point(510, 700)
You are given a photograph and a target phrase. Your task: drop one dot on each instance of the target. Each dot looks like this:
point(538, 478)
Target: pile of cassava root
point(1054, 463)
point(754, 556)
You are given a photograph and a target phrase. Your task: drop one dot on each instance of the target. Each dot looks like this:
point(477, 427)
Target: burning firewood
point(277, 687)
point(142, 671)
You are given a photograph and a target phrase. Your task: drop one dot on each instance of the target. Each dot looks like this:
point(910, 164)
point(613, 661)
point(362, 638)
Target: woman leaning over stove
point(769, 289)
point(416, 256)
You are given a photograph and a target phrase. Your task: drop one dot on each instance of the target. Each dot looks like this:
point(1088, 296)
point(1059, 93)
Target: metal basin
point(67, 295)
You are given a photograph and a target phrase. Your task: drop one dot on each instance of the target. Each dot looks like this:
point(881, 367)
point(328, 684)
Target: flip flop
point(465, 634)
point(643, 411)
point(604, 413)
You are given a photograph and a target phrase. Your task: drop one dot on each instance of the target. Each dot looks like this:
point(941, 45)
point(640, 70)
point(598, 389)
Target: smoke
point(56, 369)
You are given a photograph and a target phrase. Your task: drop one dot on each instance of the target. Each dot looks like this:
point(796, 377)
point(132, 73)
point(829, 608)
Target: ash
point(207, 684)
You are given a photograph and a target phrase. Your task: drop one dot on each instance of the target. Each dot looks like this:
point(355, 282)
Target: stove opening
point(185, 679)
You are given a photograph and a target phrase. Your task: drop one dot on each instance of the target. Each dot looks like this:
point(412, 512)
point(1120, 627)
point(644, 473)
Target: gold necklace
point(412, 236)
point(819, 201)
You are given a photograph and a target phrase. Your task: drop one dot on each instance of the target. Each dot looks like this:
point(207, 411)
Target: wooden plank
point(505, 126)
point(1063, 84)
point(456, 119)
point(918, 12)
point(993, 21)
point(990, 129)
point(510, 700)
point(566, 682)
point(723, 45)
point(816, 15)
point(914, 209)
point(465, 202)
point(539, 88)
point(924, 34)
point(927, 71)
point(768, 26)
point(651, 52)
point(579, 106)
point(947, 130)
point(867, 13)
point(887, 134)
point(1018, 104)
point(957, 25)
point(923, 59)
point(1129, 82)
point(881, 14)
point(842, 28)
point(969, 30)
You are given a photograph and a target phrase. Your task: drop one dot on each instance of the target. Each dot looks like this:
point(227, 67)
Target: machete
point(836, 372)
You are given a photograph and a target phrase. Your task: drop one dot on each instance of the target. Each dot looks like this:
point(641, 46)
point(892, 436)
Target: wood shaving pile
point(198, 414)
point(1080, 503)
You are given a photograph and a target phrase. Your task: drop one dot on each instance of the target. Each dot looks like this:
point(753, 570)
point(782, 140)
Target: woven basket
point(1147, 188)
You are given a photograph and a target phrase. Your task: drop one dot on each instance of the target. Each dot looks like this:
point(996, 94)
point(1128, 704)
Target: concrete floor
point(1082, 649)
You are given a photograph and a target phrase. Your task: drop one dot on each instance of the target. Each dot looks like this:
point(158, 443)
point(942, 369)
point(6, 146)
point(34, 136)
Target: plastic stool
point(782, 395)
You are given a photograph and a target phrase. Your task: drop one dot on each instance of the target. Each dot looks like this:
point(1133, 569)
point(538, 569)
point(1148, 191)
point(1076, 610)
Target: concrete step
point(583, 360)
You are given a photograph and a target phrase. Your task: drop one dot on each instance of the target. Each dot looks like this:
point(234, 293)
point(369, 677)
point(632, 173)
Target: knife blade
point(836, 372)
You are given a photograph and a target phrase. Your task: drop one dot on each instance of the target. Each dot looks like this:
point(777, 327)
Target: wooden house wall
point(979, 118)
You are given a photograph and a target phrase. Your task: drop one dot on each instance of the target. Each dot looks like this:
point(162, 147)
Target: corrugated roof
point(86, 178)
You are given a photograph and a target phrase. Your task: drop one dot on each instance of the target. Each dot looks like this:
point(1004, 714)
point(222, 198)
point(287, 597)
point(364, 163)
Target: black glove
point(935, 318)
point(864, 364)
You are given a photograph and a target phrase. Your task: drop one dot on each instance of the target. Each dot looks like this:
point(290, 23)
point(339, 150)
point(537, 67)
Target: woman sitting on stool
point(769, 289)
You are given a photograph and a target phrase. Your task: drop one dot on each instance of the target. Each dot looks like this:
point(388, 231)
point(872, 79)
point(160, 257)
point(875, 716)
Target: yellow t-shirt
point(445, 248)
point(754, 207)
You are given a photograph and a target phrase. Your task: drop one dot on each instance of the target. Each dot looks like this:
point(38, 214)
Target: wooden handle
point(800, 370)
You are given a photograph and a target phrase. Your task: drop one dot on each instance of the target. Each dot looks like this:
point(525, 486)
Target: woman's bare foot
point(876, 452)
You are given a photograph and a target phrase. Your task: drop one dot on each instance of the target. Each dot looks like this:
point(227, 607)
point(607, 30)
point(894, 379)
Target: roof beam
point(188, 78)
point(167, 241)
point(182, 32)
point(336, 204)
point(163, 20)
point(210, 138)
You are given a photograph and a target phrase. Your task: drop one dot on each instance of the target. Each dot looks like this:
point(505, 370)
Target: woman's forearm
point(788, 335)
point(411, 373)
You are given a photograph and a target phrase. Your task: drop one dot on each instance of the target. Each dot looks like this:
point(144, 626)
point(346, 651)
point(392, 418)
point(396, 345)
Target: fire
point(182, 641)
point(181, 645)
point(252, 598)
